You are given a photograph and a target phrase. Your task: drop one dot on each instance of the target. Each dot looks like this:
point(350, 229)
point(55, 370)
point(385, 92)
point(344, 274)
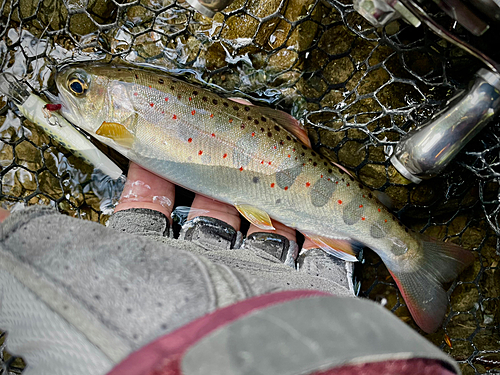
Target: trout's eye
point(77, 84)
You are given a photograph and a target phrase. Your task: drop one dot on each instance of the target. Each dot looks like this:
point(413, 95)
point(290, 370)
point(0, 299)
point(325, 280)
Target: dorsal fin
point(286, 120)
point(289, 122)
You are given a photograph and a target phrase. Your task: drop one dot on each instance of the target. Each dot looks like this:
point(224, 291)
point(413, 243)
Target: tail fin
point(421, 284)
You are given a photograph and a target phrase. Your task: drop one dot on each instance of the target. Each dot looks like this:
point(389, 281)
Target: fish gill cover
point(357, 89)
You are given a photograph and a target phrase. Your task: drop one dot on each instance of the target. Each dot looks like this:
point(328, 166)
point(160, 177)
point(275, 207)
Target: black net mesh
point(357, 89)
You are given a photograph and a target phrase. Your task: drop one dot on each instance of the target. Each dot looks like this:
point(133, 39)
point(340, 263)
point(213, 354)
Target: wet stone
point(283, 59)
point(337, 40)
point(398, 95)
point(10, 183)
point(488, 339)
point(321, 192)
point(461, 326)
point(6, 155)
point(11, 129)
point(36, 135)
point(338, 70)
point(352, 154)
point(28, 156)
point(313, 87)
point(50, 185)
point(26, 179)
point(373, 81)
point(67, 208)
point(353, 211)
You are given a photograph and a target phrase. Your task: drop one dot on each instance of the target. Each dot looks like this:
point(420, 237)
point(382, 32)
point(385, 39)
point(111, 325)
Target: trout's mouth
point(67, 110)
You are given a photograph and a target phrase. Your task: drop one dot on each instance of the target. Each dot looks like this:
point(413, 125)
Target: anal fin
point(255, 216)
point(343, 248)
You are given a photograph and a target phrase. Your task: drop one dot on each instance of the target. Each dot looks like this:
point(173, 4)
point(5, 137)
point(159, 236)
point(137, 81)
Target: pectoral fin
point(117, 132)
point(255, 216)
point(341, 248)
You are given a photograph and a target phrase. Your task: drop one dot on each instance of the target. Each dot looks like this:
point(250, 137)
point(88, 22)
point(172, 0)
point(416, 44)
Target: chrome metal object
point(490, 8)
point(425, 152)
point(381, 12)
point(449, 36)
point(209, 7)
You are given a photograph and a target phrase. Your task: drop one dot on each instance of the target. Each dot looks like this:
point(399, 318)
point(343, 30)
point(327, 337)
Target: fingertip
point(279, 228)
point(144, 189)
point(216, 209)
point(4, 214)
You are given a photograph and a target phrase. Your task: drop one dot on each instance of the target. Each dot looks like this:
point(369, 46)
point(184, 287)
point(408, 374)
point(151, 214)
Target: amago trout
point(253, 158)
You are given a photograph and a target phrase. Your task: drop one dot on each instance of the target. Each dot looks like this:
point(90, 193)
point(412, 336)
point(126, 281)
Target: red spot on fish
point(289, 156)
point(193, 112)
point(339, 201)
point(272, 185)
point(135, 94)
point(213, 135)
point(360, 206)
point(151, 104)
point(224, 156)
point(385, 220)
point(348, 184)
point(308, 184)
point(150, 87)
point(241, 169)
point(269, 163)
point(379, 210)
point(166, 99)
point(362, 218)
point(253, 134)
point(211, 115)
point(230, 120)
point(286, 188)
point(52, 107)
point(190, 98)
point(293, 149)
point(190, 140)
point(162, 112)
point(262, 162)
point(335, 181)
point(174, 117)
point(200, 152)
point(364, 196)
point(276, 147)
